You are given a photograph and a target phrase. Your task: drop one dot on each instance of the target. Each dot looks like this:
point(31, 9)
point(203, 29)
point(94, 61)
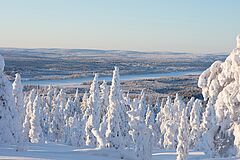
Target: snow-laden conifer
point(142, 104)
point(84, 102)
point(195, 120)
point(18, 95)
point(220, 88)
point(35, 132)
point(114, 133)
point(150, 117)
point(56, 130)
point(104, 101)
point(9, 118)
point(158, 121)
point(190, 105)
point(28, 115)
point(168, 126)
point(182, 138)
point(208, 129)
point(69, 109)
point(77, 105)
point(141, 134)
point(93, 105)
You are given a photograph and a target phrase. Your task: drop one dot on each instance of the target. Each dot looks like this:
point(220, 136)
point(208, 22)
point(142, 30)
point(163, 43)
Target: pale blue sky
point(144, 25)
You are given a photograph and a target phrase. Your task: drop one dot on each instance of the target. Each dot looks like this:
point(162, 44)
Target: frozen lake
point(77, 81)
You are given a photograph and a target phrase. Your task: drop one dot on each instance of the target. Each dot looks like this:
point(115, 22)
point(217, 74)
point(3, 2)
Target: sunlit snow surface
point(52, 151)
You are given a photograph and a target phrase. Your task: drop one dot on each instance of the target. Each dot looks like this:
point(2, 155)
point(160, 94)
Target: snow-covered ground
point(51, 151)
point(63, 152)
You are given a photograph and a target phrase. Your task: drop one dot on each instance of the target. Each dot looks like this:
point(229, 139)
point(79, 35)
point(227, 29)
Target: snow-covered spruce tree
point(104, 101)
point(208, 129)
point(141, 134)
point(124, 117)
point(150, 117)
point(77, 105)
point(84, 102)
point(35, 132)
point(178, 106)
point(91, 140)
point(100, 139)
point(50, 97)
point(160, 115)
point(142, 104)
point(48, 109)
point(93, 105)
point(150, 121)
point(127, 100)
point(171, 120)
point(68, 112)
point(62, 100)
point(82, 137)
point(18, 95)
point(66, 134)
point(170, 135)
point(19, 100)
point(115, 125)
point(45, 116)
point(220, 87)
point(57, 123)
point(87, 112)
point(144, 144)
point(132, 114)
point(182, 138)
point(150, 102)
point(56, 128)
point(103, 127)
point(29, 111)
point(190, 105)
point(9, 118)
point(158, 121)
point(74, 134)
point(166, 117)
point(81, 123)
point(195, 117)
point(69, 109)
point(169, 125)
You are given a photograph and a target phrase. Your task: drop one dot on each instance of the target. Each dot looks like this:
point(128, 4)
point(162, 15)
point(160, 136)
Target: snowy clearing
point(62, 152)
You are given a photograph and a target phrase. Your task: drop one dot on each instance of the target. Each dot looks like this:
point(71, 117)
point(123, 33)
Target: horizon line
point(127, 50)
